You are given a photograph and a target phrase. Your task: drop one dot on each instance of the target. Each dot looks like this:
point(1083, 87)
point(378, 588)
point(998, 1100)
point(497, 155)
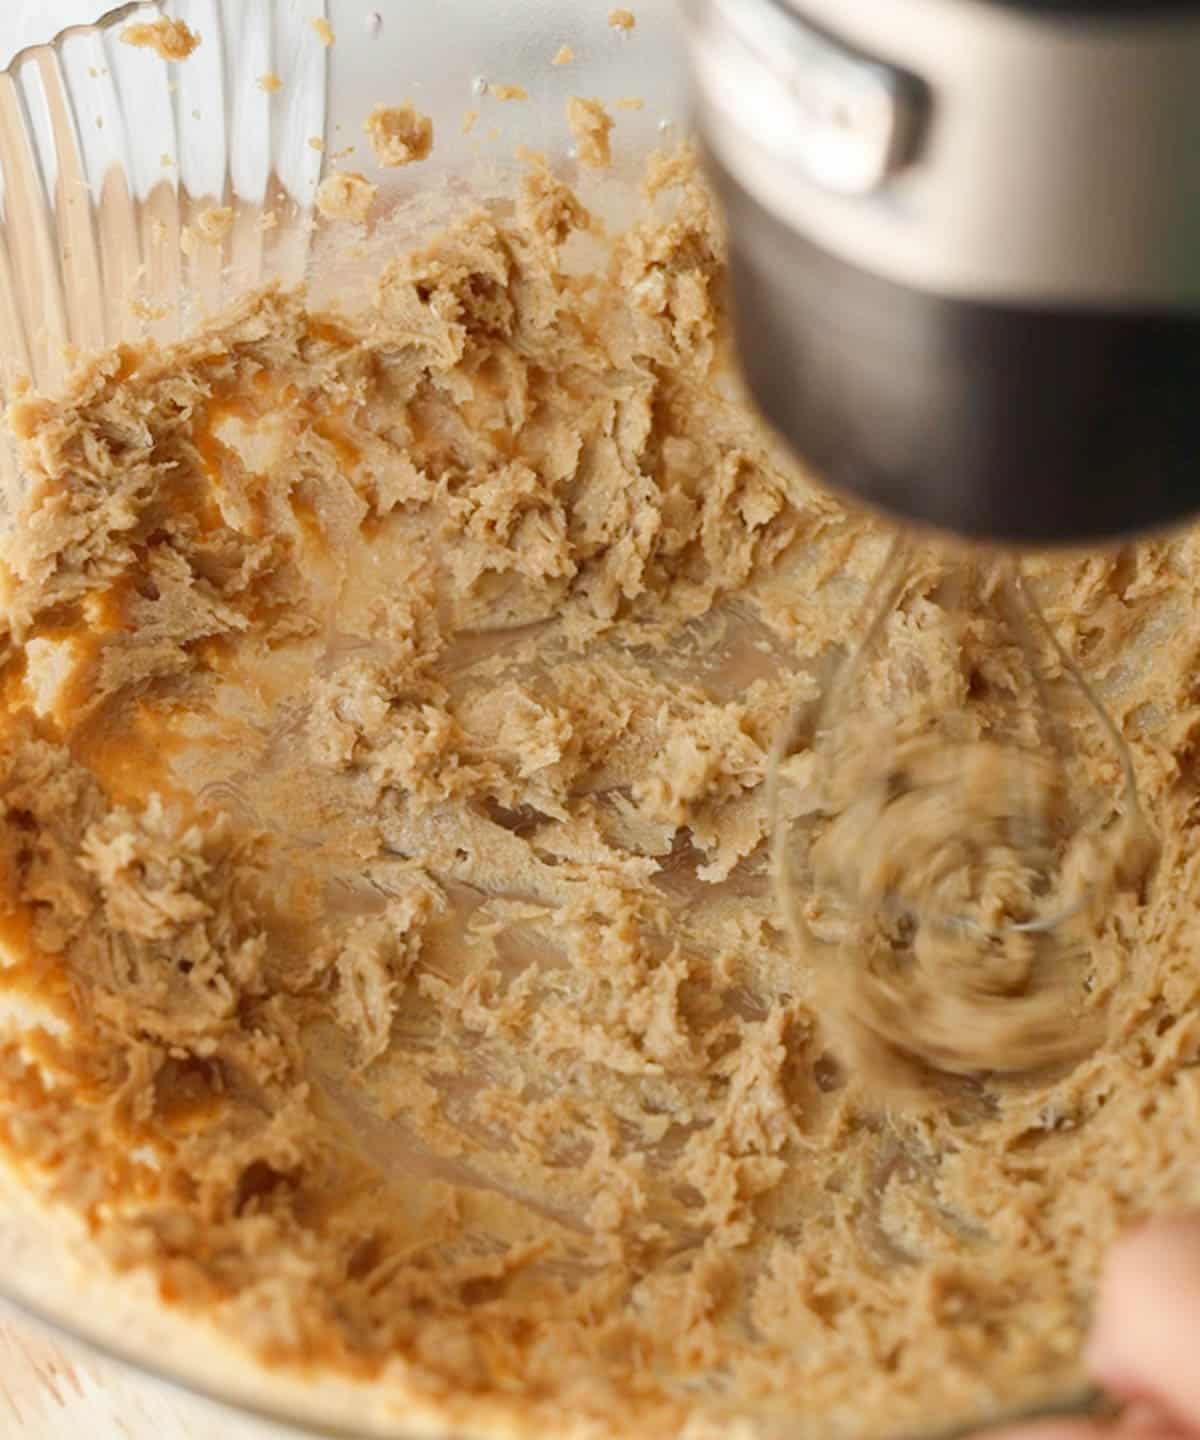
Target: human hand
point(1145, 1348)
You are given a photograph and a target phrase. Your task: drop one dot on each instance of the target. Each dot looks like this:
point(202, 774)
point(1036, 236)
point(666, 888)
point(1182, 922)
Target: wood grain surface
point(48, 1393)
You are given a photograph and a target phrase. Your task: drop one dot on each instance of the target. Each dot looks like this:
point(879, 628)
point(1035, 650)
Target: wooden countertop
point(48, 1393)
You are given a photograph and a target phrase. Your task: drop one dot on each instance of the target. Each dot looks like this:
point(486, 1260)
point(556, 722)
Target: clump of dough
point(148, 311)
point(591, 125)
point(564, 55)
point(549, 211)
point(375, 959)
point(170, 39)
point(621, 19)
point(346, 195)
point(270, 82)
point(324, 30)
point(399, 135)
point(210, 227)
point(508, 92)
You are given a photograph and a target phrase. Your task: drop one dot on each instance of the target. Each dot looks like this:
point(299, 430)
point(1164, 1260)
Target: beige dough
point(346, 195)
point(591, 125)
point(169, 39)
point(211, 227)
point(399, 135)
point(383, 821)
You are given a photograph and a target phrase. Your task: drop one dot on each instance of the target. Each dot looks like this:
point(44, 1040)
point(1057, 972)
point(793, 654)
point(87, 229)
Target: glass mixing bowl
point(106, 154)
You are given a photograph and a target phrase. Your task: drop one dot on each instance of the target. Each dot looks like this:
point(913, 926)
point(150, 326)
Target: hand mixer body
point(965, 251)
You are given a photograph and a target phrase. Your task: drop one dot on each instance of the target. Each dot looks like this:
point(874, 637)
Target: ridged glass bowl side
point(108, 155)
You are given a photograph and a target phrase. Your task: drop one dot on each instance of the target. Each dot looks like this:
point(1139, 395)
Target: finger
point(1144, 1419)
point(1052, 1430)
point(1159, 1429)
point(1146, 1344)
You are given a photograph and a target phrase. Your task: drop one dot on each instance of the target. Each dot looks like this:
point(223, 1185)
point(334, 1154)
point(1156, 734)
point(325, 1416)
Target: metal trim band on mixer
point(906, 136)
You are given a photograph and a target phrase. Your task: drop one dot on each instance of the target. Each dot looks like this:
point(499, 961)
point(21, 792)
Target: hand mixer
point(965, 263)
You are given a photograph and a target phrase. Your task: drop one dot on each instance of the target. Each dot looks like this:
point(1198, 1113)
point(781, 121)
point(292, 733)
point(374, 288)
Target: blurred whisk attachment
point(947, 830)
